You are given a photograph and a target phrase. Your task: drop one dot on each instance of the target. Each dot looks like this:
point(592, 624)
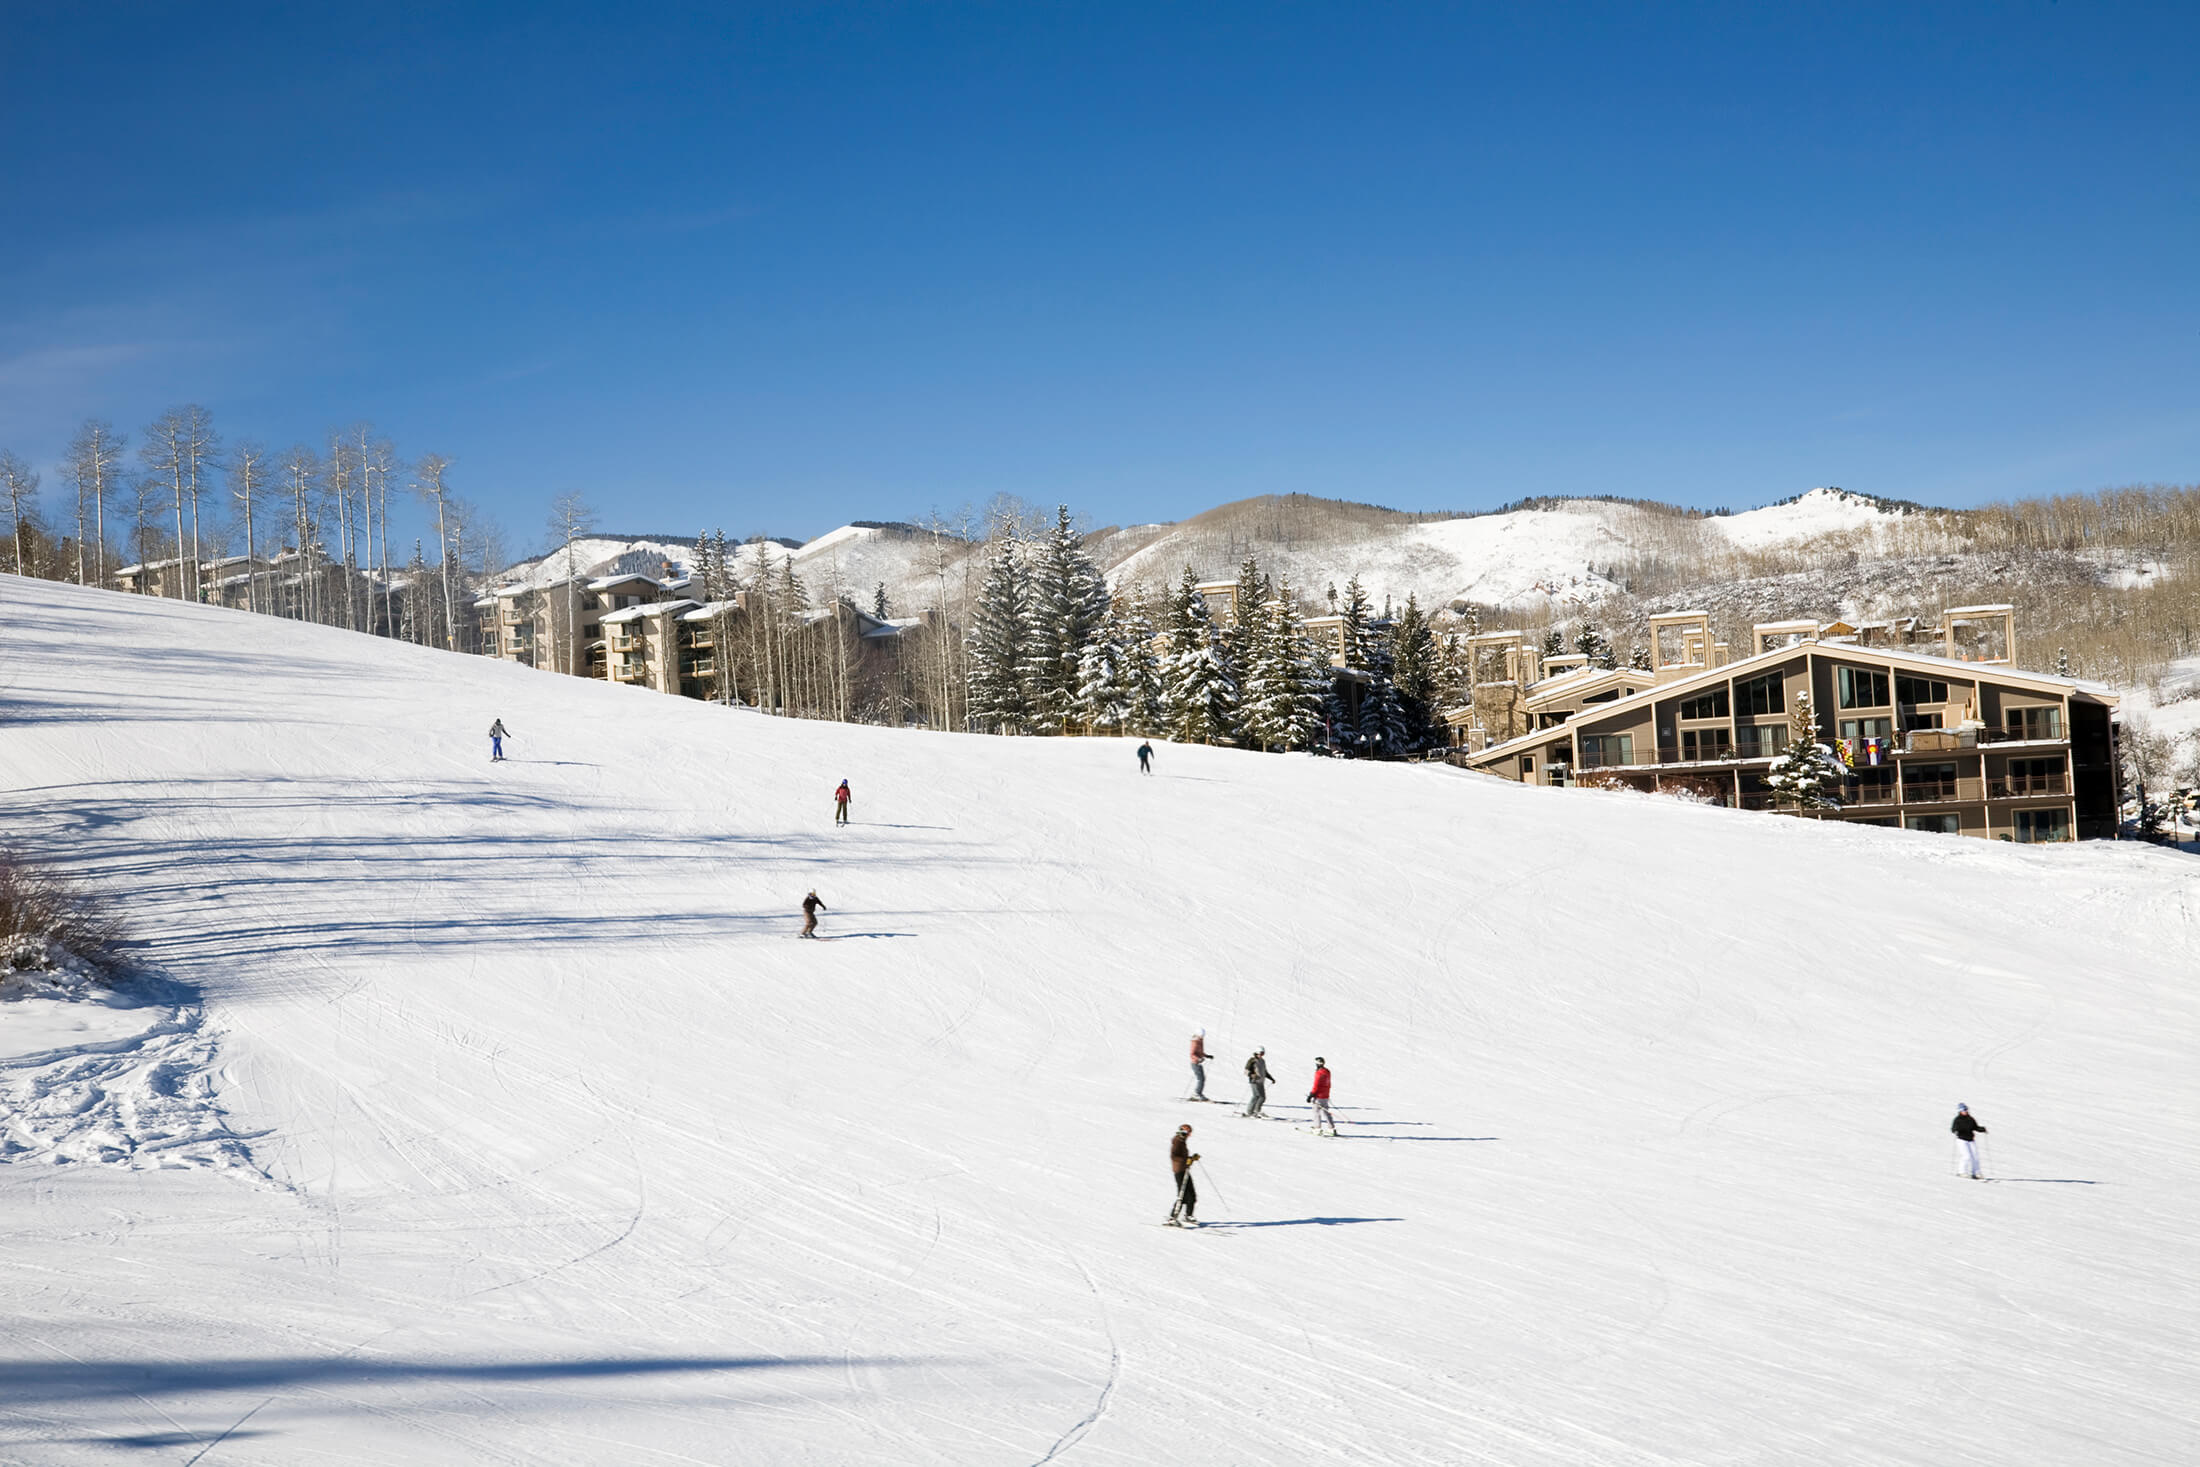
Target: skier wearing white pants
point(1325, 1124)
point(1967, 1131)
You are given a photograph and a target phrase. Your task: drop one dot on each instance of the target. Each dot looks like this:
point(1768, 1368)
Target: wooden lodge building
point(1937, 729)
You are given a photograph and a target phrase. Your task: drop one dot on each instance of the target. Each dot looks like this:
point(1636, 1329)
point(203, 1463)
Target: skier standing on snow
point(1318, 1097)
point(1967, 1131)
point(1257, 1076)
point(497, 736)
point(1181, 1157)
point(1145, 758)
point(1199, 1065)
point(840, 804)
point(811, 906)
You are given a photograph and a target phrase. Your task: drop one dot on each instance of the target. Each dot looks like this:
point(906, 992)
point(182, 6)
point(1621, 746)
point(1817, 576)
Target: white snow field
point(493, 1114)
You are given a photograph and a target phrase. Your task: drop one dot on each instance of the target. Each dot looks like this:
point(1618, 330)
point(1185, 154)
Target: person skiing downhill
point(1257, 1076)
point(1145, 758)
point(1199, 1065)
point(1181, 1157)
point(1967, 1131)
point(811, 906)
point(840, 804)
point(497, 736)
point(1325, 1124)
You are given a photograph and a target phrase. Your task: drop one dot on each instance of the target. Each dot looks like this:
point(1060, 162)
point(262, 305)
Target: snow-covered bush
point(48, 925)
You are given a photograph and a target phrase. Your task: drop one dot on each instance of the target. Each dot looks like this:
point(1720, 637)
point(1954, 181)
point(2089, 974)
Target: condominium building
point(1938, 733)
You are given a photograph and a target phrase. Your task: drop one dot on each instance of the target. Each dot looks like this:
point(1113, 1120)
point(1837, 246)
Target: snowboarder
point(497, 736)
point(1967, 1131)
point(840, 804)
point(1181, 1157)
point(1324, 1122)
point(1145, 758)
point(811, 906)
point(1199, 1065)
point(1257, 1076)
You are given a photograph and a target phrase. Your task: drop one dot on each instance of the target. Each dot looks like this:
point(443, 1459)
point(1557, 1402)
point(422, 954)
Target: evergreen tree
point(1638, 657)
point(1799, 777)
point(1554, 644)
point(1200, 686)
point(1413, 651)
point(1591, 643)
point(1285, 686)
point(879, 606)
point(1068, 600)
point(1143, 692)
point(1105, 698)
point(2062, 662)
point(1003, 661)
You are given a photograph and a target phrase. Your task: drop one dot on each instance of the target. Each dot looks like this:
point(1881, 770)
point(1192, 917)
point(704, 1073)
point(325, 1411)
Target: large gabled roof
point(2041, 682)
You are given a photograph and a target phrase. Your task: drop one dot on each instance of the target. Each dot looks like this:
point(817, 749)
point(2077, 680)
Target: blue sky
point(775, 268)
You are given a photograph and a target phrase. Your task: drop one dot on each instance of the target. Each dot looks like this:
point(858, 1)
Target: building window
point(1859, 688)
point(1705, 705)
point(1856, 730)
point(1766, 694)
point(2034, 826)
point(1601, 751)
point(1888, 821)
point(1707, 743)
point(1915, 690)
point(1912, 719)
point(2035, 723)
point(1762, 741)
point(1527, 767)
point(1928, 782)
point(1937, 824)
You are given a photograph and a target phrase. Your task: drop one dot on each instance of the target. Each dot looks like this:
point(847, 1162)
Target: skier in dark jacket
point(1257, 1076)
point(497, 736)
point(840, 804)
point(1967, 1131)
point(1181, 1157)
point(1145, 758)
point(811, 906)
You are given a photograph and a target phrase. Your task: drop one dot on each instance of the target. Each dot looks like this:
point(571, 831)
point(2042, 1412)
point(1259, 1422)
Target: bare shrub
point(49, 922)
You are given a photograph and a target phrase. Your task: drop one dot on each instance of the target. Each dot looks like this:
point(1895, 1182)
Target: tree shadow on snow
point(1300, 1222)
point(1348, 1136)
point(2049, 1181)
point(29, 1382)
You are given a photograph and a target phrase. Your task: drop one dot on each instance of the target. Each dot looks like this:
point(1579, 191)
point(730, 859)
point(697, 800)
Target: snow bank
point(580, 1157)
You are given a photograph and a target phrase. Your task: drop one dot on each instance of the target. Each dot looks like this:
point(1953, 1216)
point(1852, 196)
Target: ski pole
point(1208, 1173)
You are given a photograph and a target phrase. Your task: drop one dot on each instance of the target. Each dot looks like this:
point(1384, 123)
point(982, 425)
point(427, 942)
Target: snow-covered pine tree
point(1284, 687)
point(1592, 644)
point(1104, 697)
point(1068, 600)
point(1413, 651)
point(1201, 689)
point(1143, 684)
point(1002, 657)
point(1799, 777)
point(2062, 662)
point(1356, 647)
point(1638, 657)
point(880, 607)
point(1554, 643)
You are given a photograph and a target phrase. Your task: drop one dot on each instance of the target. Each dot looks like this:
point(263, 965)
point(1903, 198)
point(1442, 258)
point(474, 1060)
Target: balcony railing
point(703, 668)
point(701, 641)
point(2017, 786)
point(1933, 791)
point(1869, 794)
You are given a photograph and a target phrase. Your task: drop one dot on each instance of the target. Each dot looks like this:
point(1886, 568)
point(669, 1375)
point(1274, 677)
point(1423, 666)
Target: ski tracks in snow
point(145, 1101)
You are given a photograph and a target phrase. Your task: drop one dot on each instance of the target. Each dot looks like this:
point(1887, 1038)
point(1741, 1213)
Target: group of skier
point(1258, 1079)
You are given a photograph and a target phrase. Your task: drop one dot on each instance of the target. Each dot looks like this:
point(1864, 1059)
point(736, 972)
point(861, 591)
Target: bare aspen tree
point(247, 475)
point(92, 467)
point(301, 472)
point(200, 448)
point(383, 456)
point(570, 519)
point(18, 487)
point(163, 456)
point(337, 478)
point(428, 477)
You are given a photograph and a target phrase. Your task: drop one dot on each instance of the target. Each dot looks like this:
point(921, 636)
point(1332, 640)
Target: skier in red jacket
point(840, 804)
point(1325, 1124)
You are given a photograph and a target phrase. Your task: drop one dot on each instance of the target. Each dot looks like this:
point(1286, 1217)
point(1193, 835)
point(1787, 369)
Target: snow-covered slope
point(558, 1148)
